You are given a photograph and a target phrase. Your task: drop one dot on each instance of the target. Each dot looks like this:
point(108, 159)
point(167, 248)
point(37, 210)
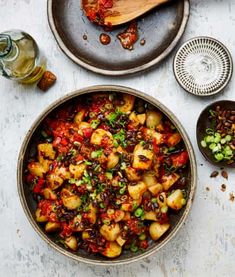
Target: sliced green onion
point(96, 154)
point(115, 143)
point(110, 211)
point(212, 146)
point(142, 236)
point(134, 248)
point(122, 190)
point(102, 205)
point(216, 148)
point(219, 157)
point(44, 134)
point(123, 166)
point(228, 138)
point(92, 114)
point(164, 209)
point(210, 131)
point(95, 123)
point(223, 141)
point(106, 221)
point(203, 143)
point(209, 139)
point(109, 175)
point(139, 212)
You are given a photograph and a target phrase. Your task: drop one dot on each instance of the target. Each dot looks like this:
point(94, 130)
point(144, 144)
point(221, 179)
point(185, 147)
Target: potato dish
point(108, 173)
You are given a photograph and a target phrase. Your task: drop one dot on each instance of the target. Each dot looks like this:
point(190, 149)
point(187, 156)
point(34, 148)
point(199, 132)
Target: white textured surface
point(205, 246)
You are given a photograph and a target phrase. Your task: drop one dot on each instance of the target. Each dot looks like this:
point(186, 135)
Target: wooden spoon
point(122, 11)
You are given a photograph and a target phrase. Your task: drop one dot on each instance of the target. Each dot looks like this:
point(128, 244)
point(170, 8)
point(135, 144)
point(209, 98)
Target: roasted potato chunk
point(142, 157)
point(52, 227)
point(85, 235)
point(119, 215)
point(54, 181)
point(156, 189)
point(128, 104)
point(100, 135)
point(45, 164)
point(120, 240)
point(137, 190)
point(174, 139)
point(113, 160)
point(110, 232)
point(72, 243)
point(151, 181)
point(77, 170)
point(45, 150)
point(130, 205)
point(149, 178)
point(39, 216)
point(79, 116)
point(70, 200)
point(152, 134)
point(137, 119)
point(132, 174)
point(112, 250)
point(156, 230)
point(63, 173)
point(76, 224)
point(83, 125)
point(153, 119)
point(161, 199)
point(151, 215)
point(141, 118)
point(169, 180)
point(91, 214)
point(176, 200)
point(36, 169)
point(49, 194)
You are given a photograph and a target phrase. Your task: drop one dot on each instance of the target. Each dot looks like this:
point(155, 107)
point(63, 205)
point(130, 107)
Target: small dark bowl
point(29, 205)
point(203, 123)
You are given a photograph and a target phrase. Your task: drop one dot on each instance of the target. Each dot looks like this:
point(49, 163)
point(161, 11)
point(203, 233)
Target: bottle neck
point(5, 45)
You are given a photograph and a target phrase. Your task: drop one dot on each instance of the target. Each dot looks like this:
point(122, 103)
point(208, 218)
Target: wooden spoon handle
point(124, 10)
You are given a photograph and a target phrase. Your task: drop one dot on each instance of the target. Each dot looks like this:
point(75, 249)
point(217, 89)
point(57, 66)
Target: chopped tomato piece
point(87, 132)
point(179, 160)
point(39, 186)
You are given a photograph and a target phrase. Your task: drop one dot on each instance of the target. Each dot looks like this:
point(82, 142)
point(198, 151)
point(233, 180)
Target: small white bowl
point(203, 66)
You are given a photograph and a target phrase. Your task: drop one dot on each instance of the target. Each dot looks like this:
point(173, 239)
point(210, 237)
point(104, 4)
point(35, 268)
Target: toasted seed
point(214, 174)
point(232, 117)
point(223, 187)
point(227, 124)
point(231, 197)
point(224, 174)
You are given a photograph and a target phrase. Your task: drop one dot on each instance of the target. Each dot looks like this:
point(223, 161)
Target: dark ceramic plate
point(162, 28)
point(203, 123)
point(29, 204)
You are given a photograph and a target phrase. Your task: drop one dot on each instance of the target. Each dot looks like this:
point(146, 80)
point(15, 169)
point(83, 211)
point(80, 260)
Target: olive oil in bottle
point(20, 58)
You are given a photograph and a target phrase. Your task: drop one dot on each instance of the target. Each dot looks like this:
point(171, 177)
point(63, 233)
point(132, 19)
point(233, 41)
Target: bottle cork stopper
point(48, 79)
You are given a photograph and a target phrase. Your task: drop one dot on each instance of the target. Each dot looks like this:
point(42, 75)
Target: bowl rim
point(218, 164)
point(106, 88)
point(229, 57)
point(107, 72)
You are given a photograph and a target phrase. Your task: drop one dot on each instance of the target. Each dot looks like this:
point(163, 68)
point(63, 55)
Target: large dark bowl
point(203, 123)
point(29, 204)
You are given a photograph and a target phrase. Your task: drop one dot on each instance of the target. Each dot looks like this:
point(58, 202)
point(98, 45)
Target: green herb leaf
point(95, 123)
